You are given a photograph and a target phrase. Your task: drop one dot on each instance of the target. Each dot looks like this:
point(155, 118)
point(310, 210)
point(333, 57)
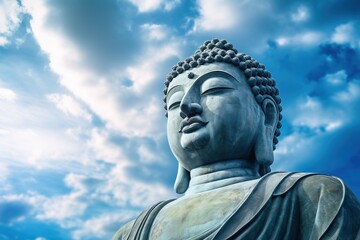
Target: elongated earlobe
point(264, 142)
point(264, 147)
point(182, 180)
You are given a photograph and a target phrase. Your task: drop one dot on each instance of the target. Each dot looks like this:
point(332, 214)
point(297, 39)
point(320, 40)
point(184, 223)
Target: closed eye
point(174, 105)
point(174, 99)
point(216, 90)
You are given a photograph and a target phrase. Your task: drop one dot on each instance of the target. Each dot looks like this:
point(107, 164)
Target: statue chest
point(190, 216)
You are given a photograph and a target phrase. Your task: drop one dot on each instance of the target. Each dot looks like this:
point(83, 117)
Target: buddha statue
point(224, 114)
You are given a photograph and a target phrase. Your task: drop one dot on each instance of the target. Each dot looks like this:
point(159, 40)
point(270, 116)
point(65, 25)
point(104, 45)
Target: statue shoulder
point(327, 186)
point(314, 188)
point(124, 231)
point(323, 195)
point(310, 185)
point(328, 207)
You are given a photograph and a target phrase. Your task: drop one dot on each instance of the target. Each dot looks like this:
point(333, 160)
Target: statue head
point(221, 105)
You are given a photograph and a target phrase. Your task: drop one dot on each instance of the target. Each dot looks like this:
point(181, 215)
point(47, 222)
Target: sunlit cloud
point(7, 94)
point(214, 15)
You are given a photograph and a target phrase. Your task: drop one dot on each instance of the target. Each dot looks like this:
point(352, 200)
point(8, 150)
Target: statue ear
point(182, 180)
point(264, 143)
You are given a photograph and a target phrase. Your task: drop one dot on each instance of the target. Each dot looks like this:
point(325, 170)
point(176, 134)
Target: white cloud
point(19, 41)
point(313, 114)
point(104, 149)
point(298, 149)
point(302, 39)
point(7, 94)
point(120, 187)
point(76, 182)
point(282, 41)
point(148, 155)
point(40, 238)
point(33, 200)
point(67, 208)
point(336, 79)
point(317, 120)
point(340, 89)
point(39, 148)
point(76, 132)
point(309, 38)
point(128, 190)
point(57, 208)
point(152, 5)
point(301, 14)
point(217, 15)
point(253, 23)
point(87, 187)
point(155, 31)
point(69, 105)
point(3, 41)
point(333, 125)
point(290, 144)
point(34, 134)
point(62, 207)
point(145, 195)
point(346, 33)
point(170, 5)
point(103, 226)
point(146, 5)
point(30, 198)
point(124, 109)
point(50, 40)
point(350, 94)
point(10, 19)
point(143, 73)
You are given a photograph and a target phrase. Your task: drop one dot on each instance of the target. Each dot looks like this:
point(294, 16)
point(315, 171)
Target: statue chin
point(195, 140)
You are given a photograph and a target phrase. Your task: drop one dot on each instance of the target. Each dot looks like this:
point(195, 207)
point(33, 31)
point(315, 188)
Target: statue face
point(212, 116)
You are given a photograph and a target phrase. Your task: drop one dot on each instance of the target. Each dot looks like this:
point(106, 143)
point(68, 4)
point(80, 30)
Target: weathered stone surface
point(224, 118)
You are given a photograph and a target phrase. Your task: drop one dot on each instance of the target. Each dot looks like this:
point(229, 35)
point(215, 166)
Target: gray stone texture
point(224, 116)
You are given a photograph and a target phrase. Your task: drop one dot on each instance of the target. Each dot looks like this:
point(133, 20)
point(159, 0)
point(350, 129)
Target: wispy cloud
point(69, 105)
point(10, 19)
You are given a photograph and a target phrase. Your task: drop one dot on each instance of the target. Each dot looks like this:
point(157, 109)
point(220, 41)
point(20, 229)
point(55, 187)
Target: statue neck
point(221, 174)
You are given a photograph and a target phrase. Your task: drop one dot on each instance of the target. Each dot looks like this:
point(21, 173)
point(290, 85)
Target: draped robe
point(280, 206)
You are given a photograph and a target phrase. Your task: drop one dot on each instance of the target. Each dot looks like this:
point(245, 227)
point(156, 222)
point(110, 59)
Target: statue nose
point(189, 109)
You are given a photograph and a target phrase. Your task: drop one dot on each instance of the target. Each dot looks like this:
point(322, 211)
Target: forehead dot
point(191, 75)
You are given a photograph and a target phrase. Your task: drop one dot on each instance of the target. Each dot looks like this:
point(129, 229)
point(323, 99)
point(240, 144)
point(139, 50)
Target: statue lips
point(192, 124)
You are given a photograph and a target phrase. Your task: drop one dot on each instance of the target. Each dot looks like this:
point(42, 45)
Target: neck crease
point(220, 174)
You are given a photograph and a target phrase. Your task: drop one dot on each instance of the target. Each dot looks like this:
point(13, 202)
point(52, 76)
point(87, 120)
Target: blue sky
point(83, 145)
